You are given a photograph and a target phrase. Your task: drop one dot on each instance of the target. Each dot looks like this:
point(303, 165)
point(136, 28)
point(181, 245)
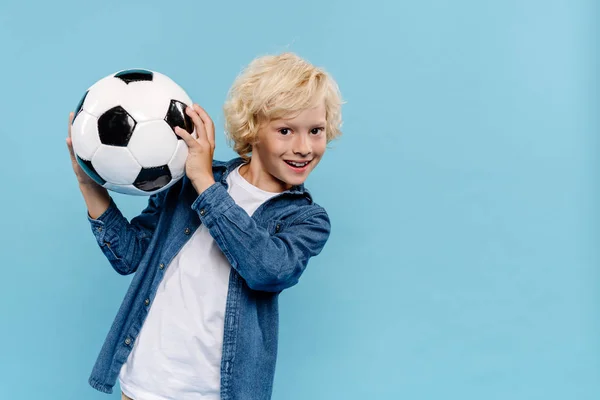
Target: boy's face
point(282, 142)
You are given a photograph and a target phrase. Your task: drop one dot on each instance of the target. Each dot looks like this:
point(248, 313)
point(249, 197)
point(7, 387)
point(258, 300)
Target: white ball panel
point(116, 165)
point(105, 94)
point(172, 89)
point(146, 100)
point(177, 162)
point(84, 134)
point(153, 143)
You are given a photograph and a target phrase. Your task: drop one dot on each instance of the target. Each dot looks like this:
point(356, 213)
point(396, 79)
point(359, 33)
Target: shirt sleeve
point(267, 261)
point(124, 242)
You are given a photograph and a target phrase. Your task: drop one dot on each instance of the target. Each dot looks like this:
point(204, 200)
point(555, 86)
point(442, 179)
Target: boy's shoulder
point(220, 166)
point(222, 163)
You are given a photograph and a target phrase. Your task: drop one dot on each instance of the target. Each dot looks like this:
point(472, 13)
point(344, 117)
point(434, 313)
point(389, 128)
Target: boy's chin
point(295, 182)
point(291, 181)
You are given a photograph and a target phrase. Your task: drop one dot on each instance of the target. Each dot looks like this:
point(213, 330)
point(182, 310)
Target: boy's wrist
point(201, 183)
point(96, 198)
point(91, 187)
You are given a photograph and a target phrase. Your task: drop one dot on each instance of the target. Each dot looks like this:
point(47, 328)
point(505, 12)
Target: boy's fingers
point(187, 138)
point(204, 115)
point(70, 147)
point(69, 139)
point(208, 123)
point(70, 122)
point(200, 127)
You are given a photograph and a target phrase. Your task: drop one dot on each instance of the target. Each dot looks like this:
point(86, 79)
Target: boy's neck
point(254, 174)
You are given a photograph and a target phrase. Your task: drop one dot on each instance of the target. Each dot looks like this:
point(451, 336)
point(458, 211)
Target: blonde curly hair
point(273, 87)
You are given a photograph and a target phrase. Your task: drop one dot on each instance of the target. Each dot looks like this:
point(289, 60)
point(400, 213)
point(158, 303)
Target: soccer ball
point(123, 132)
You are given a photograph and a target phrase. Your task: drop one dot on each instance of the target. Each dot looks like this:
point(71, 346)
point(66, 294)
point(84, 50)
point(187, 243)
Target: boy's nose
point(302, 146)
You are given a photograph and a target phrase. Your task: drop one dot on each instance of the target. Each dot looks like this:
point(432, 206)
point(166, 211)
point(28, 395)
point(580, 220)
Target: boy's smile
point(287, 150)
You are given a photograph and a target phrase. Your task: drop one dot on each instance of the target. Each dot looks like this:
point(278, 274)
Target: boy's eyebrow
point(316, 124)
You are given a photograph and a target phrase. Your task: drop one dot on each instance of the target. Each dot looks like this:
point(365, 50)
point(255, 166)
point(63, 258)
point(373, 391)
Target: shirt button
point(99, 229)
point(187, 231)
point(128, 341)
point(147, 301)
point(161, 266)
point(202, 211)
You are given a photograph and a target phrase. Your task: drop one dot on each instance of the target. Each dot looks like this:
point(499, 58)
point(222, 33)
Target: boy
point(212, 253)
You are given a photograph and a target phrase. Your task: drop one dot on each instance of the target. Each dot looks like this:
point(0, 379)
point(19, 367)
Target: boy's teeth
point(297, 164)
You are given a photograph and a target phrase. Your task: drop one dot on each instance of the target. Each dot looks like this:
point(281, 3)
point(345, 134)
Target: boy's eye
point(284, 131)
point(316, 131)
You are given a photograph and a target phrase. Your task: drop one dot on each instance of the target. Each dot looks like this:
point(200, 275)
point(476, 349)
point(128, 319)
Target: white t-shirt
point(177, 354)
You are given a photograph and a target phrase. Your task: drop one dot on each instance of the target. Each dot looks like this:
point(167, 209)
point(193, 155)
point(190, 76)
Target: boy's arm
point(123, 242)
point(267, 262)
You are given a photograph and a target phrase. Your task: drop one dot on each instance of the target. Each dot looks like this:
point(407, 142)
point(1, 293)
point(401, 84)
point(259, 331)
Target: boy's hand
point(82, 177)
point(198, 166)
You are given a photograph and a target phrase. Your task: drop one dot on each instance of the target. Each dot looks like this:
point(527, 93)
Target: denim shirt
point(268, 252)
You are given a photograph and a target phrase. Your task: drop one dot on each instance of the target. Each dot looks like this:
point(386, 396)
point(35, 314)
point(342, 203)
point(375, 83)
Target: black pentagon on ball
point(79, 106)
point(150, 179)
point(176, 116)
point(115, 127)
point(135, 75)
point(90, 170)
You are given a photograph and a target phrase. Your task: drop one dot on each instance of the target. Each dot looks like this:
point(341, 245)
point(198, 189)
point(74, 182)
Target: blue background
point(464, 197)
